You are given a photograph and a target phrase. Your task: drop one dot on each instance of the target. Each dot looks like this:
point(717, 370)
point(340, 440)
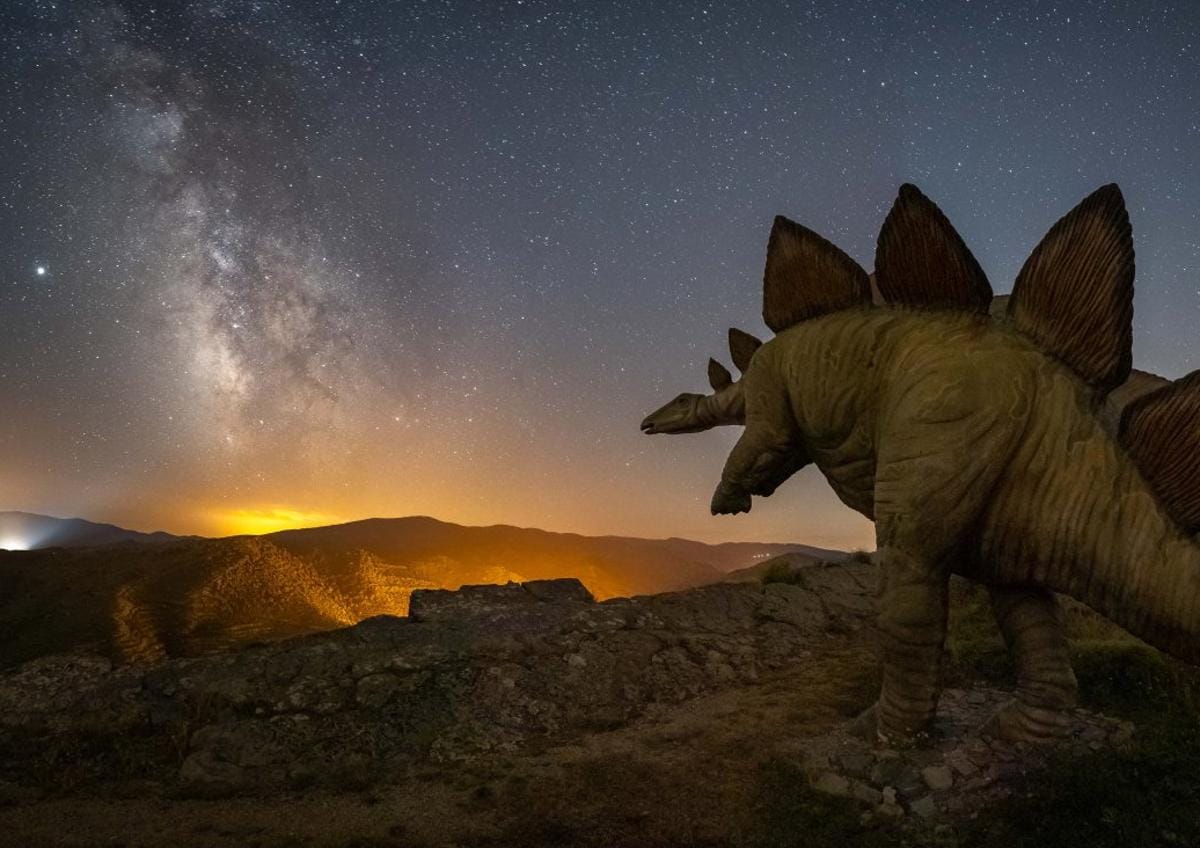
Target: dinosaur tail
point(1159, 600)
point(1114, 524)
point(1161, 432)
point(1138, 568)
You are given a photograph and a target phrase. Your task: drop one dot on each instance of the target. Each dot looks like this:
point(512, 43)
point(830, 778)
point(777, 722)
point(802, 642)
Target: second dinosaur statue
point(977, 443)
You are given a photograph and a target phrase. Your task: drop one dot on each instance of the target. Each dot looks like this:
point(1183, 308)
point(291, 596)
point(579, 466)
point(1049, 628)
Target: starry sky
point(272, 263)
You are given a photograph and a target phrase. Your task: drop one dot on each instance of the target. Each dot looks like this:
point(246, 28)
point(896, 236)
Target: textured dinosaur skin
point(977, 446)
point(1029, 618)
point(956, 435)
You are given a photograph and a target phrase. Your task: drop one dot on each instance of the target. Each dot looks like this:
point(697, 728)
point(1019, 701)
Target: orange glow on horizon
point(256, 521)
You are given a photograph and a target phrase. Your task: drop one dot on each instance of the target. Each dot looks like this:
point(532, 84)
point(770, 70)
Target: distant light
point(271, 519)
point(41, 270)
point(13, 544)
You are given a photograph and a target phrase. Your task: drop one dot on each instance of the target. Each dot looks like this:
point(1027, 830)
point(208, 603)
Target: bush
point(1148, 795)
point(781, 571)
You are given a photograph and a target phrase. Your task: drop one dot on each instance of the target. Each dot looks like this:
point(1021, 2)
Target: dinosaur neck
point(721, 408)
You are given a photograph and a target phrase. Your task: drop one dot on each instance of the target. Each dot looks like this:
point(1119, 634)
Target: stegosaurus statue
point(973, 432)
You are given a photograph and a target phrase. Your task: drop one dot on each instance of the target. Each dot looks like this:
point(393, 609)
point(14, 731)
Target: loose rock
point(937, 778)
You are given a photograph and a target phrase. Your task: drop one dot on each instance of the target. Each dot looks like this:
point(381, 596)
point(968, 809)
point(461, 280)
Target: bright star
point(41, 270)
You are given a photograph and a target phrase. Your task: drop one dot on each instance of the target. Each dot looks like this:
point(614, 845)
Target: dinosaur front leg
point(769, 450)
point(934, 474)
point(1031, 622)
point(758, 464)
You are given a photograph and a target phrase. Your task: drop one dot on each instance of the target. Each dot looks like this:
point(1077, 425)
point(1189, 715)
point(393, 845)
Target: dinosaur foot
point(1020, 722)
point(866, 726)
point(729, 500)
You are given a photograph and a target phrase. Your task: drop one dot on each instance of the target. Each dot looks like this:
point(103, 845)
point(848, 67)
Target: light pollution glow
point(255, 522)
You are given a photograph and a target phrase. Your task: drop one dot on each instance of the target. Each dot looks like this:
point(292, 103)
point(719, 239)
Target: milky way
point(262, 323)
point(327, 260)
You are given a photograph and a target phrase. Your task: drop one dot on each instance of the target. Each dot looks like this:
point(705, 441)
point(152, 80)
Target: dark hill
point(609, 565)
point(191, 596)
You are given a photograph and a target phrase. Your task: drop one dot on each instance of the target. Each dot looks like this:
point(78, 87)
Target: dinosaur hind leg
point(1031, 622)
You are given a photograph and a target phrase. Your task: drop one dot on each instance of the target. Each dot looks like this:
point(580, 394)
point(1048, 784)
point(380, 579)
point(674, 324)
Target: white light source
point(41, 270)
point(11, 543)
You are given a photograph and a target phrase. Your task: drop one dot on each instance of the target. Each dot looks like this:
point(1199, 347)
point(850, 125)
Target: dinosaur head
point(693, 413)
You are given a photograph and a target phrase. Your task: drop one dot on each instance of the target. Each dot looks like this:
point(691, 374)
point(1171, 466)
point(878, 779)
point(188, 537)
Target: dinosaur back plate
point(921, 261)
point(807, 276)
point(1074, 296)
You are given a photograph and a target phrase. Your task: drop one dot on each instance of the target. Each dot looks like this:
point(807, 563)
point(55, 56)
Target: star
point(274, 205)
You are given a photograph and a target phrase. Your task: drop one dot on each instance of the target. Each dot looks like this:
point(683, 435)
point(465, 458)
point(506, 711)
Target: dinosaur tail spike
point(1161, 432)
point(1074, 295)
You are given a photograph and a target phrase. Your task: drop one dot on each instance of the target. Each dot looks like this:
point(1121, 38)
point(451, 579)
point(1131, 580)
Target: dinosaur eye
point(680, 401)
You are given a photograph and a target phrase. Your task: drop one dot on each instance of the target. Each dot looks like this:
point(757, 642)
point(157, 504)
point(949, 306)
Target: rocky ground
point(957, 772)
point(504, 715)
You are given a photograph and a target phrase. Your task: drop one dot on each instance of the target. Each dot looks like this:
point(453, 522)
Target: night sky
point(272, 263)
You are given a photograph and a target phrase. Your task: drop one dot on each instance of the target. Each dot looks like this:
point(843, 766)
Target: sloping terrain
point(529, 715)
point(471, 679)
point(610, 566)
point(784, 567)
point(143, 603)
point(185, 597)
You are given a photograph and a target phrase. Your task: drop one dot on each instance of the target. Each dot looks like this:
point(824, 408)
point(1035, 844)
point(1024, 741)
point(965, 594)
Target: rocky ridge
point(189, 597)
point(486, 672)
point(478, 670)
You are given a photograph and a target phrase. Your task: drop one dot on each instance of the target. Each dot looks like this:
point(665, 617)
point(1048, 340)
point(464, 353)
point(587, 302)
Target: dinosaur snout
point(678, 416)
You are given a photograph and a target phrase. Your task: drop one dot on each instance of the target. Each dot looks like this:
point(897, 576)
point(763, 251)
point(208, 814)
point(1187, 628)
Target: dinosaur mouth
point(648, 427)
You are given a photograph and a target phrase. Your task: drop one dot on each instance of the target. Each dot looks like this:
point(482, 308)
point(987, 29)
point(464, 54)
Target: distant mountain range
point(28, 531)
point(140, 596)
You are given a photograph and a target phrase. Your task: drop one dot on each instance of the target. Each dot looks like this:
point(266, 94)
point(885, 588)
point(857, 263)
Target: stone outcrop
point(481, 670)
point(488, 673)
